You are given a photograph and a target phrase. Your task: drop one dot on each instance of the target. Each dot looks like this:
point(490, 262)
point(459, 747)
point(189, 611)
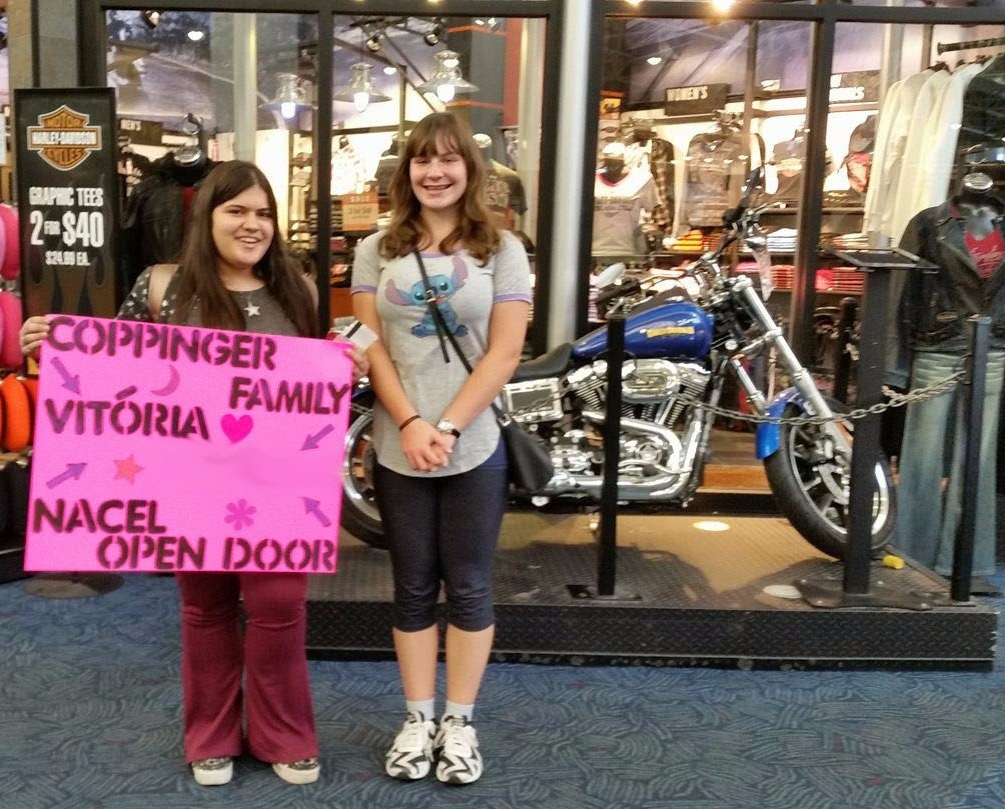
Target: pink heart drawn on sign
point(236, 429)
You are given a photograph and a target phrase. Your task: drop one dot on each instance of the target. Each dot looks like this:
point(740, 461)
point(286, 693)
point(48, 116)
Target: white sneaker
point(305, 771)
point(456, 746)
point(411, 756)
point(213, 772)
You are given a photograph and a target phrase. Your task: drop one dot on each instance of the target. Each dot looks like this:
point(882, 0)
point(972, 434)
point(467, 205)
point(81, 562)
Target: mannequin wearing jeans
point(965, 238)
point(933, 435)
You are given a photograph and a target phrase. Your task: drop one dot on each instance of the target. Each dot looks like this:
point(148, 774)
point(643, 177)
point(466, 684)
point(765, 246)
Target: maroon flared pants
point(276, 693)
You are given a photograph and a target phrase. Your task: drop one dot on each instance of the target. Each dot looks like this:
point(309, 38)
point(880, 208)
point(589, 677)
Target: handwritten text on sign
point(173, 448)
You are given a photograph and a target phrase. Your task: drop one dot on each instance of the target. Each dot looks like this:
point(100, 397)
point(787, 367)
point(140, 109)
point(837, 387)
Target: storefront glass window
point(201, 86)
point(196, 87)
point(911, 143)
point(689, 107)
point(389, 72)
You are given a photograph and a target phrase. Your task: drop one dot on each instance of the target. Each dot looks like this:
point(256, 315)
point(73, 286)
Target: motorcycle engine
point(652, 391)
point(643, 382)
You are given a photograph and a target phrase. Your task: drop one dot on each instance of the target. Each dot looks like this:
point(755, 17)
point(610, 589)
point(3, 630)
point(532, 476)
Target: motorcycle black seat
point(554, 363)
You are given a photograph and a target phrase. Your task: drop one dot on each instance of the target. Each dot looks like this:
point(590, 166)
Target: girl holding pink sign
point(236, 274)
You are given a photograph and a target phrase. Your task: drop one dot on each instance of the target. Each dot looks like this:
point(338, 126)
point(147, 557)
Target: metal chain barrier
point(938, 388)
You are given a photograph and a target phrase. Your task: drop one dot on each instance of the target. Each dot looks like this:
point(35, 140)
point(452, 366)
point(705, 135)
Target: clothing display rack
point(944, 47)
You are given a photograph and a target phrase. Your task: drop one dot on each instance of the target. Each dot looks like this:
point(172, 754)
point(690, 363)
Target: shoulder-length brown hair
point(475, 229)
point(199, 280)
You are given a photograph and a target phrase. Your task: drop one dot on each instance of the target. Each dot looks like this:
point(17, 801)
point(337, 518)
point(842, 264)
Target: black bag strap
point(434, 310)
point(444, 332)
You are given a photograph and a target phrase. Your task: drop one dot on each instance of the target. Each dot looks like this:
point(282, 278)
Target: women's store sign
point(67, 199)
point(161, 448)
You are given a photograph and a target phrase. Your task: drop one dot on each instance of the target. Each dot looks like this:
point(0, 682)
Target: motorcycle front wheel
point(811, 485)
point(359, 506)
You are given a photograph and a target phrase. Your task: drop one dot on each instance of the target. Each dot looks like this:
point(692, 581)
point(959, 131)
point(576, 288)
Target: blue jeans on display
point(927, 517)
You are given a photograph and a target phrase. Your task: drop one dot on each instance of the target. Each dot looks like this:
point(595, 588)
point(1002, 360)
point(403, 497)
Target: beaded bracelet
point(408, 421)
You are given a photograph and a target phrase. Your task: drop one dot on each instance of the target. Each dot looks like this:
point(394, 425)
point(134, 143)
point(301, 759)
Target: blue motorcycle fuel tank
point(674, 330)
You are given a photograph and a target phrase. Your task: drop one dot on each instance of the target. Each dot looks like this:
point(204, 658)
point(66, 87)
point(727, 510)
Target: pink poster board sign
point(163, 448)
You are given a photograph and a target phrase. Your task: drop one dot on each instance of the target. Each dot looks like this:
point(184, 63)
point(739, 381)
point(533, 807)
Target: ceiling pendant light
point(360, 90)
point(447, 80)
point(290, 96)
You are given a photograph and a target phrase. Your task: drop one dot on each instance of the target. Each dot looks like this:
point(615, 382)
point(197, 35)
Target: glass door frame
point(93, 72)
point(824, 16)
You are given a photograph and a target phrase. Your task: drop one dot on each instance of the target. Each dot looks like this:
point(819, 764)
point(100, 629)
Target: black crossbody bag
point(530, 466)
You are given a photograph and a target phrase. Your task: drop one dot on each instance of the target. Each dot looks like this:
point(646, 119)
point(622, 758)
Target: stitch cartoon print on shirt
point(444, 287)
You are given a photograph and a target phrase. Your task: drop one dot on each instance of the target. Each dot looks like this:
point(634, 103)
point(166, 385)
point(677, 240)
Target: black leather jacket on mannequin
point(152, 224)
point(934, 306)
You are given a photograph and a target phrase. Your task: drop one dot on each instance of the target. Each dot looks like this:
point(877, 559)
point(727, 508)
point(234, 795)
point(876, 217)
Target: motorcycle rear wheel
point(360, 516)
point(811, 486)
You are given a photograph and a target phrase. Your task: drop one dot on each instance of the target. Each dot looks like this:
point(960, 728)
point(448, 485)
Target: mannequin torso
point(978, 219)
point(982, 237)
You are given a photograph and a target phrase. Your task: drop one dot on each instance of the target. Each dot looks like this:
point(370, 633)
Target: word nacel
point(112, 337)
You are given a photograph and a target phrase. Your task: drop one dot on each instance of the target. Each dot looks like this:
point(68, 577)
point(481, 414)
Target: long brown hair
point(199, 280)
point(475, 229)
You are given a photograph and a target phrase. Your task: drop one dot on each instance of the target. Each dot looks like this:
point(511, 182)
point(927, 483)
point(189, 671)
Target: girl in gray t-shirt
point(441, 469)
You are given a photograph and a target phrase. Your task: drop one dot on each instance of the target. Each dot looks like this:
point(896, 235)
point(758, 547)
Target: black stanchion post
point(606, 530)
point(973, 411)
point(866, 451)
point(842, 356)
point(608, 533)
point(855, 590)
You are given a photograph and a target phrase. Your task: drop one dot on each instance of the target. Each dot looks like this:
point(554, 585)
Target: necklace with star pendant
point(251, 309)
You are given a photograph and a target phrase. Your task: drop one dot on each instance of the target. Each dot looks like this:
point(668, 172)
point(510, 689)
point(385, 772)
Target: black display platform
point(700, 601)
point(12, 564)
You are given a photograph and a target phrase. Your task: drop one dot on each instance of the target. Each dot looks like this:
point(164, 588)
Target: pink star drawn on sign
point(128, 469)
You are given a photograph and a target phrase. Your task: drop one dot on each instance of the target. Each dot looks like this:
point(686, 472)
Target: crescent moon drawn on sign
point(171, 386)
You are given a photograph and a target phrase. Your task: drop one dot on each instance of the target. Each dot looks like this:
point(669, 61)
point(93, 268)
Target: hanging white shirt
point(913, 163)
point(896, 114)
point(941, 135)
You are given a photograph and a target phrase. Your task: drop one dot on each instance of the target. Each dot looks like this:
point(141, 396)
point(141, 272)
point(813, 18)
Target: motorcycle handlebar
point(732, 216)
point(626, 287)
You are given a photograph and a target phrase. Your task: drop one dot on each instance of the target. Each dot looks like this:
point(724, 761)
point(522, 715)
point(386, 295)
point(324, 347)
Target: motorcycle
point(680, 346)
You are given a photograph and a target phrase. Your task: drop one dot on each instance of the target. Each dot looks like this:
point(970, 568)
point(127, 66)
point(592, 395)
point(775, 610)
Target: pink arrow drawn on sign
point(312, 441)
point(73, 470)
point(70, 382)
point(314, 507)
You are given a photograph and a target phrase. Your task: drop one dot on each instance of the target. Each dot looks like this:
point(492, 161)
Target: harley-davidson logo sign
point(63, 139)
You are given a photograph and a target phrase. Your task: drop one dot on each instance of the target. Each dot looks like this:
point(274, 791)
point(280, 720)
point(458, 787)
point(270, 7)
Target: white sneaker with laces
point(411, 756)
point(213, 772)
point(456, 745)
point(305, 771)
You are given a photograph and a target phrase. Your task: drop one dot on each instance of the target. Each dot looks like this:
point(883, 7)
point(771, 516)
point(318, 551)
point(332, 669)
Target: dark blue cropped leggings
point(442, 529)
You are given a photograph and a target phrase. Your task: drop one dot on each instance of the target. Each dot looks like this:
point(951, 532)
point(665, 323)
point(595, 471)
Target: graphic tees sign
point(67, 199)
point(173, 448)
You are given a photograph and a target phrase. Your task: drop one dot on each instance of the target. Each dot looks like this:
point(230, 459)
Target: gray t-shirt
point(617, 213)
point(267, 315)
point(468, 293)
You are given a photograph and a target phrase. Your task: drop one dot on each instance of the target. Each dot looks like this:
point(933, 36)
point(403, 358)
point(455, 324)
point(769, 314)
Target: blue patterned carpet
point(89, 717)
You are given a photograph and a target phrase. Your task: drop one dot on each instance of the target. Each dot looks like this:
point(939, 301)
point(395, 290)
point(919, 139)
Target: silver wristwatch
point(447, 427)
